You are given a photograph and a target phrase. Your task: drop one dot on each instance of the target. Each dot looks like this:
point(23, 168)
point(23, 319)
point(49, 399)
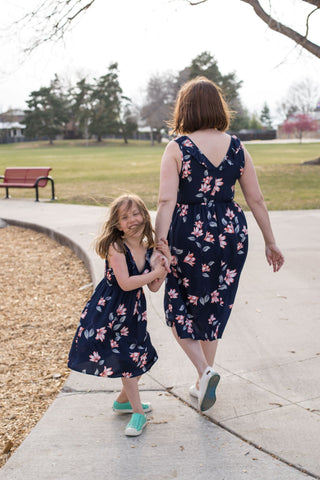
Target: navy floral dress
point(209, 242)
point(112, 339)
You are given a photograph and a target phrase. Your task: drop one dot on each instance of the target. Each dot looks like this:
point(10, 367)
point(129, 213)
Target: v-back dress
point(112, 339)
point(209, 242)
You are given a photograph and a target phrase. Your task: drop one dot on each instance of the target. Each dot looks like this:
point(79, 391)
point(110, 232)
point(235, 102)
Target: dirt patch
point(44, 287)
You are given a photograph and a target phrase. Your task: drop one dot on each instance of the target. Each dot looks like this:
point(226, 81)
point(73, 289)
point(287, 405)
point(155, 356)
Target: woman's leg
point(131, 390)
point(194, 351)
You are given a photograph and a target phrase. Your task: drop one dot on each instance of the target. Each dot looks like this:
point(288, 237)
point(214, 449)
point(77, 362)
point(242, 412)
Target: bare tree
point(53, 19)
point(279, 27)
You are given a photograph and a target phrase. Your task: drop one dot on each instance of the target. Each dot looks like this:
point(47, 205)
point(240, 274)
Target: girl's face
point(130, 220)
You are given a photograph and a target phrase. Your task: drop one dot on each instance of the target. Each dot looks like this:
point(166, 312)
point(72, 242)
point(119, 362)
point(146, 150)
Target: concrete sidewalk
point(266, 421)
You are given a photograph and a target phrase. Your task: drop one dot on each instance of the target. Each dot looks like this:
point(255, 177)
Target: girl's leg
point(209, 349)
point(130, 386)
point(123, 397)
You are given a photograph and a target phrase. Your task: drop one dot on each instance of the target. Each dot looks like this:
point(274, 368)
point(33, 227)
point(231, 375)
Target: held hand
point(162, 246)
point(160, 270)
point(274, 257)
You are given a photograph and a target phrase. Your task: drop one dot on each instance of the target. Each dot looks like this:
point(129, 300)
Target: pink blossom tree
point(298, 124)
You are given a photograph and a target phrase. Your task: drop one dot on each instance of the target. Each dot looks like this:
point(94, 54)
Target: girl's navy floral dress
point(209, 242)
point(112, 339)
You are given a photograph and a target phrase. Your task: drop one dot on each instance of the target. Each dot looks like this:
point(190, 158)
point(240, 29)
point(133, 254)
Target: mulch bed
point(44, 287)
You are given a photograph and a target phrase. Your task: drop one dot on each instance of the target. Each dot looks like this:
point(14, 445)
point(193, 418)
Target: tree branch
point(283, 29)
point(313, 2)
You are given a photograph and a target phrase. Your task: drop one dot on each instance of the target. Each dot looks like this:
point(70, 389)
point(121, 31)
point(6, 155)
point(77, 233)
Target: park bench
point(27, 177)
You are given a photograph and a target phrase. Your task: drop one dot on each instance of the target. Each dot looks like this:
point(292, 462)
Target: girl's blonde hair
point(200, 105)
point(110, 233)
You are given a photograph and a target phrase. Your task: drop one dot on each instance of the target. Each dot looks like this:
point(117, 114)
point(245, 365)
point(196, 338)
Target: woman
point(206, 229)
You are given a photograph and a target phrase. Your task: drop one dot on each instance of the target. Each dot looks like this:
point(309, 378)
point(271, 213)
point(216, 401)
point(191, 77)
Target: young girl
point(112, 338)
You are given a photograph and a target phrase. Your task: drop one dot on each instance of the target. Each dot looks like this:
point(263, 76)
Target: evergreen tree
point(106, 100)
point(47, 113)
point(265, 116)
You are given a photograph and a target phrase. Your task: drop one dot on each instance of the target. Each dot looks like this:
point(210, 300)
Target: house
point(12, 126)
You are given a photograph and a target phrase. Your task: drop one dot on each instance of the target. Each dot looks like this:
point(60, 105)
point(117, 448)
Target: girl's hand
point(160, 269)
point(274, 257)
point(162, 246)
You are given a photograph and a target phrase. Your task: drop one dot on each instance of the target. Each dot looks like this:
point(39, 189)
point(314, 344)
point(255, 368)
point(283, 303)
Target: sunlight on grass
point(94, 174)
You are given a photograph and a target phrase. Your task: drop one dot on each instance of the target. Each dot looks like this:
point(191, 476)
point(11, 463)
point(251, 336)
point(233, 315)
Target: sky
point(150, 37)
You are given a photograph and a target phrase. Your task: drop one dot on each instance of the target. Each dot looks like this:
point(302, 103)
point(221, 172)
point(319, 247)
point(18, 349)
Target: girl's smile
point(130, 220)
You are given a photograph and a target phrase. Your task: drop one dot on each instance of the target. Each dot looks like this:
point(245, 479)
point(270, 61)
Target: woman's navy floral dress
point(209, 242)
point(112, 339)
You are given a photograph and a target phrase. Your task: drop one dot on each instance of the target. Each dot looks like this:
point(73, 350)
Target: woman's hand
point(274, 257)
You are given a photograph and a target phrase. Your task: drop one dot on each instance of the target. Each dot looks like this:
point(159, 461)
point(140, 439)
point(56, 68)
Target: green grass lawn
point(96, 173)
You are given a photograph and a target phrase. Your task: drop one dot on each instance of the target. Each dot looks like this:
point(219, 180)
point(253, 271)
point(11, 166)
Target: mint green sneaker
point(121, 408)
point(136, 425)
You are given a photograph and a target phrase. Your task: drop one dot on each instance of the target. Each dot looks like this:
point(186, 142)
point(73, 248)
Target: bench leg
point(52, 189)
point(7, 192)
point(37, 193)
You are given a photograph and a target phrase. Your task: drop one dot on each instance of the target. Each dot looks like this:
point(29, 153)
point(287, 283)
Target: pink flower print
point(184, 210)
point(230, 274)
point(106, 372)
point(144, 316)
point(222, 240)
point(229, 228)
point(185, 282)
point(101, 334)
point(138, 294)
point(80, 331)
point(221, 302)
point(211, 319)
point(217, 184)
point(95, 357)
point(197, 230)
point(114, 344)
point(189, 326)
point(230, 213)
point(193, 299)
point(209, 237)
point(238, 207)
point(174, 260)
point(127, 374)
point(245, 230)
point(216, 332)
point(215, 297)
point(136, 308)
point(110, 324)
point(186, 170)
point(121, 310)
point(231, 306)
point(143, 359)
point(170, 307)
point(241, 171)
point(205, 268)
point(239, 246)
point(108, 275)
point(187, 143)
point(135, 356)
point(190, 259)
point(84, 313)
point(124, 331)
point(102, 301)
point(180, 319)
point(173, 293)
point(205, 185)
point(232, 188)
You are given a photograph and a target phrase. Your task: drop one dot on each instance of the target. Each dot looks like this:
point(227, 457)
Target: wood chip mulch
point(44, 287)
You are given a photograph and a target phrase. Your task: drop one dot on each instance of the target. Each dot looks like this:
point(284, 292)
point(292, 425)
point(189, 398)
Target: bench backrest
point(26, 175)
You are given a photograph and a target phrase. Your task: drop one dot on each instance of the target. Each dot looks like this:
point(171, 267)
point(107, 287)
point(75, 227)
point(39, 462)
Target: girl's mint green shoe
point(136, 425)
point(120, 408)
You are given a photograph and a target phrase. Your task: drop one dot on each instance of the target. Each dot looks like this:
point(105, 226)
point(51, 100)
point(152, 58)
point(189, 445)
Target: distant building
point(12, 126)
